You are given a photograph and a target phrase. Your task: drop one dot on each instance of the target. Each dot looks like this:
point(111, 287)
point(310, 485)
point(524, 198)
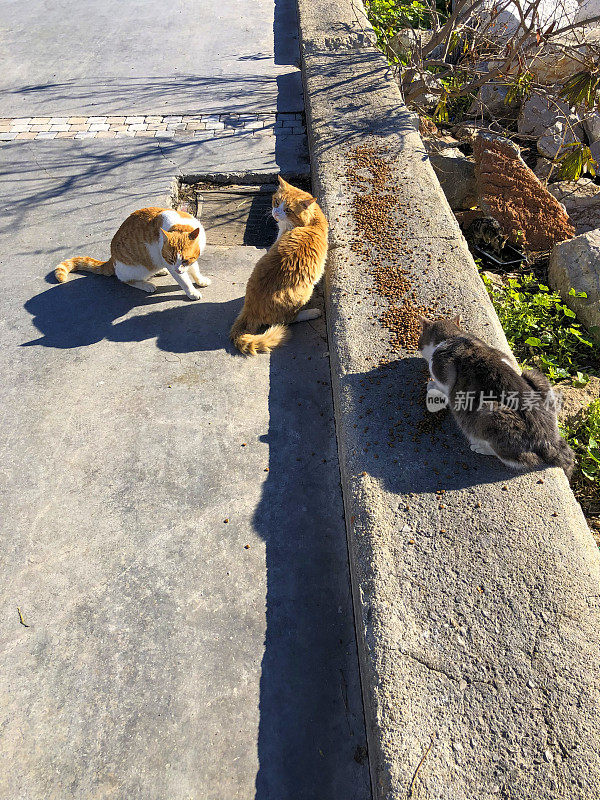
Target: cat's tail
point(554, 454)
point(252, 343)
point(558, 454)
point(83, 263)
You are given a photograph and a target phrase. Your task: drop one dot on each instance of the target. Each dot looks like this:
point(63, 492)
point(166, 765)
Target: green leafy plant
point(582, 89)
point(583, 434)
point(453, 100)
point(519, 89)
point(388, 16)
point(541, 330)
point(575, 161)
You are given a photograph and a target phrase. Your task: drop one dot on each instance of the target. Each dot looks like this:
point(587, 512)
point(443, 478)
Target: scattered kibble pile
point(376, 210)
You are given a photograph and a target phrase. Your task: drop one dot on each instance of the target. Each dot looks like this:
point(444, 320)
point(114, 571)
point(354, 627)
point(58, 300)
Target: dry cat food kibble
point(375, 202)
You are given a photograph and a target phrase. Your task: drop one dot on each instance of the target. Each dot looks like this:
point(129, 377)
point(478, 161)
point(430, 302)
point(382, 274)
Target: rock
point(420, 88)
point(427, 127)
point(445, 145)
point(406, 41)
point(591, 126)
point(456, 174)
point(545, 170)
point(490, 103)
point(582, 201)
point(563, 58)
point(494, 278)
point(595, 151)
point(576, 264)
point(538, 115)
point(503, 23)
point(467, 132)
point(556, 140)
point(575, 399)
point(510, 192)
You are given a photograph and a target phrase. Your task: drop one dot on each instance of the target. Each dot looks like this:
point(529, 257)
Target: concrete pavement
point(148, 58)
point(171, 516)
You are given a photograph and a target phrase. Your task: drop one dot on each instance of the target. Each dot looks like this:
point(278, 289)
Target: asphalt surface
point(174, 583)
point(105, 56)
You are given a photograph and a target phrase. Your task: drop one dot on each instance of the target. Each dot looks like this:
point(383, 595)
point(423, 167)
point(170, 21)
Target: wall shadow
point(311, 742)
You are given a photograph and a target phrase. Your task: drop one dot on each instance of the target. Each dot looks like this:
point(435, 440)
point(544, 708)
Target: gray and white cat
point(502, 412)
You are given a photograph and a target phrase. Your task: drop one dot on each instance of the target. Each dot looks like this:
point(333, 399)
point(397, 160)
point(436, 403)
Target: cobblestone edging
point(113, 127)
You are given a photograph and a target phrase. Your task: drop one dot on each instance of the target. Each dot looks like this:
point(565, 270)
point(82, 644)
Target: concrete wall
point(476, 592)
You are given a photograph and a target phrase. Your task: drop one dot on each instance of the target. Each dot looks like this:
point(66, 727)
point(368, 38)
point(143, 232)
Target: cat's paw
point(146, 286)
point(482, 449)
point(194, 295)
point(161, 273)
point(201, 281)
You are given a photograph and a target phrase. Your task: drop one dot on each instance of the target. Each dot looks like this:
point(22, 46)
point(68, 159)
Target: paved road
point(148, 57)
point(169, 654)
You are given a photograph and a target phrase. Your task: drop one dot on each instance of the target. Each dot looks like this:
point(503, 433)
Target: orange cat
point(283, 279)
point(152, 241)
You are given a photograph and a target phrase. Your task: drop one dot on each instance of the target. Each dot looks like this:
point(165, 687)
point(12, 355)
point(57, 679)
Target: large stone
point(591, 126)
point(582, 201)
point(539, 114)
point(420, 88)
point(545, 170)
point(490, 103)
point(563, 58)
point(576, 265)
point(456, 174)
point(467, 132)
point(510, 192)
point(505, 22)
point(557, 139)
point(455, 171)
point(587, 10)
point(407, 41)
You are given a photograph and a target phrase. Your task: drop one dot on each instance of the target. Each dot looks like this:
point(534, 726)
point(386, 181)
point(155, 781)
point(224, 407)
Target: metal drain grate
point(233, 215)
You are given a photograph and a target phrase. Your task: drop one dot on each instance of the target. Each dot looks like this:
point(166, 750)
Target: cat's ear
point(308, 202)
point(423, 320)
point(166, 233)
point(457, 320)
point(282, 183)
point(194, 234)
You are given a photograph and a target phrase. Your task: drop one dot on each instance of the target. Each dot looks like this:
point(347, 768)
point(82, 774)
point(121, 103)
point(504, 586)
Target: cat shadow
point(88, 309)
point(415, 450)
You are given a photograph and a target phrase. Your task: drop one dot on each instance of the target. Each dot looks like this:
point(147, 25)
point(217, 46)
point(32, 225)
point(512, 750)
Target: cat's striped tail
point(252, 343)
point(83, 263)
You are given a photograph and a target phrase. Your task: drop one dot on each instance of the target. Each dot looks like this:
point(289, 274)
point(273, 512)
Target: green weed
point(541, 330)
point(583, 434)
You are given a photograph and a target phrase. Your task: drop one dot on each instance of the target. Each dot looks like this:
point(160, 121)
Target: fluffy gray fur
point(522, 437)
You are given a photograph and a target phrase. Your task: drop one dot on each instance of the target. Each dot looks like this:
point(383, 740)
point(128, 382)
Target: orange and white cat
point(283, 280)
point(151, 241)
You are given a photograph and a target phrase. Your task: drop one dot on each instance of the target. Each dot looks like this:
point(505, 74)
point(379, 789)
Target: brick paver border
point(170, 126)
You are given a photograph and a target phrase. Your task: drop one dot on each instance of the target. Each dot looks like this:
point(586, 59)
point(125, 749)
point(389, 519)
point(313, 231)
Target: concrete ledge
point(477, 592)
